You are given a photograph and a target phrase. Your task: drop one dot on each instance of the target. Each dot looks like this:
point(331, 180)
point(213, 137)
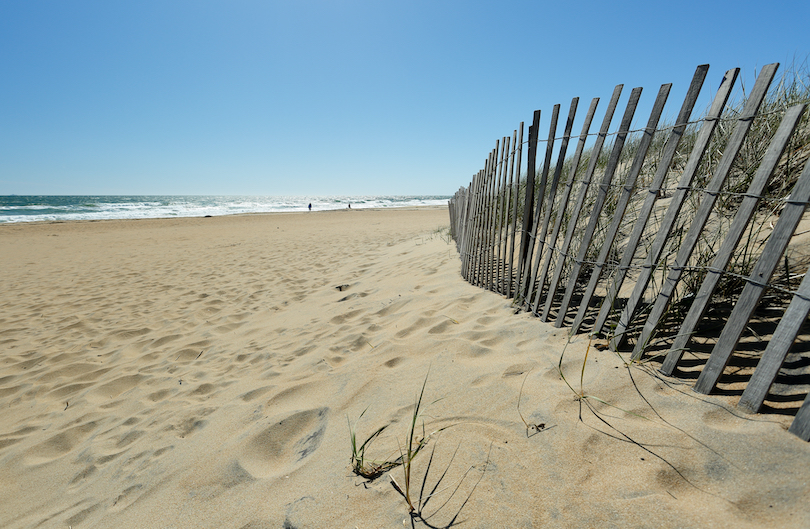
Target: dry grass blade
point(539, 427)
point(362, 466)
point(410, 451)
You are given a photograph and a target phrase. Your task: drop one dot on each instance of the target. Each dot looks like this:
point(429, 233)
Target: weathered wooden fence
point(640, 244)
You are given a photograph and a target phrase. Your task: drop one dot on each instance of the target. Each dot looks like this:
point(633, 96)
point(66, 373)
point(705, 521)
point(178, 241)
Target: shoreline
point(258, 213)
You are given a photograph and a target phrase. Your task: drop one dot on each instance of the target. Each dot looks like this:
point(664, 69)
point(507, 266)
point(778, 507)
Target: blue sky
point(335, 97)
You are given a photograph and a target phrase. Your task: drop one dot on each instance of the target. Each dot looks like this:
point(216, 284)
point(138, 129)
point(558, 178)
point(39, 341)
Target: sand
point(203, 373)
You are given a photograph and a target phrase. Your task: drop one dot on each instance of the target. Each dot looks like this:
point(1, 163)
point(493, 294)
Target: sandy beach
point(204, 372)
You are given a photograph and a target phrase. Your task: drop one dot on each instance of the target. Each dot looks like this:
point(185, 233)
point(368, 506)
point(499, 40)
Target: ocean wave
point(57, 208)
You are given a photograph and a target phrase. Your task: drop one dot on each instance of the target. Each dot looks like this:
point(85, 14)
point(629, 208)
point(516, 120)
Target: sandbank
point(203, 372)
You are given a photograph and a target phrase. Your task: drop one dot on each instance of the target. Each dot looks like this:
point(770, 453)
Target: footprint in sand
point(130, 333)
point(394, 362)
point(82, 515)
point(61, 392)
point(518, 369)
point(441, 328)
point(283, 445)
point(11, 390)
point(58, 445)
point(110, 390)
point(126, 498)
point(160, 394)
point(230, 327)
point(166, 339)
point(346, 316)
point(187, 355)
point(256, 393)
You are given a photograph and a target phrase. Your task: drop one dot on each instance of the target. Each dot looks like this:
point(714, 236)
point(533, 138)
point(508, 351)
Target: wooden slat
point(484, 262)
point(706, 206)
point(535, 244)
point(493, 231)
point(482, 223)
point(735, 233)
point(528, 204)
point(464, 227)
point(507, 205)
point(621, 205)
point(601, 197)
point(476, 227)
point(503, 200)
point(487, 196)
point(563, 204)
point(778, 347)
point(674, 209)
point(479, 229)
point(670, 148)
point(756, 283)
point(583, 191)
point(552, 193)
point(515, 168)
point(467, 236)
point(459, 235)
point(455, 205)
point(490, 233)
point(800, 426)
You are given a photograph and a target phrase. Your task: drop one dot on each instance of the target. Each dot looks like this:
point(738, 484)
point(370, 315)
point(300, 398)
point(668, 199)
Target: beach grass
point(414, 443)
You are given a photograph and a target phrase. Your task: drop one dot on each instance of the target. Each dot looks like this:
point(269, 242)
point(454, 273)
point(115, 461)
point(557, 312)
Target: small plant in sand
point(371, 468)
point(444, 234)
point(414, 443)
point(362, 466)
point(537, 427)
point(586, 399)
point(412, 447)
point(581, 396)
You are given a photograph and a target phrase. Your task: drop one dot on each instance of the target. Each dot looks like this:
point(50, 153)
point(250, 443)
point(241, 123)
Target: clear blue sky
point(335, 97)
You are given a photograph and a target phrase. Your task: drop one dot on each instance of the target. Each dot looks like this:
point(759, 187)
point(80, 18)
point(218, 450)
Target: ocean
point(60, 208)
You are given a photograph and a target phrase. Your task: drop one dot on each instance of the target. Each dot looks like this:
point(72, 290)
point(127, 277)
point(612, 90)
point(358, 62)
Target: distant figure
point(310, 207)
point(350, 206)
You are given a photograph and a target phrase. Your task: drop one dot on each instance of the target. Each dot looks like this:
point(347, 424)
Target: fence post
point(583, 191)
point(552, 193)
point(515, 169)
point(503, 200)
point(487, 238)
point(706, 205)
point(678, 198)
point(551, 247)
point(778, 347)
point(760, 275)
point(735, 233)
point(475, 231)
point(529, 200)
point(621, 205)
point(535, 244)
point(601, 197)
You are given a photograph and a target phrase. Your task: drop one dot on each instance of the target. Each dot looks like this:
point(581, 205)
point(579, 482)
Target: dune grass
point(790, 88)
point(416, 439)
point(416, 496)
point(361, 465)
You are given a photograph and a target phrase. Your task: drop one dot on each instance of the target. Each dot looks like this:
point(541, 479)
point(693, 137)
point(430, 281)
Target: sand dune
point(200, 373)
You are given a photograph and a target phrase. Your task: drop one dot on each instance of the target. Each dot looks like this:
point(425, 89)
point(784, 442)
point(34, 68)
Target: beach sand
point(203, 373)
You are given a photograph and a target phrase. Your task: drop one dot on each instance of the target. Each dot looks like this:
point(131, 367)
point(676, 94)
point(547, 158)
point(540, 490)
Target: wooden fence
point(619, 249)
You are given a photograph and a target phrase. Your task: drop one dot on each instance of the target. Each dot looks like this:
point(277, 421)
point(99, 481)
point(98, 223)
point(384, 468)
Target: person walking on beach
point(310, 206)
